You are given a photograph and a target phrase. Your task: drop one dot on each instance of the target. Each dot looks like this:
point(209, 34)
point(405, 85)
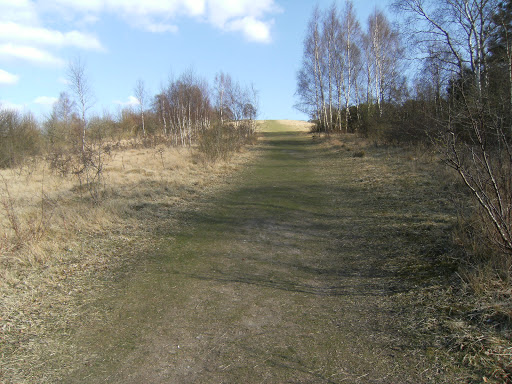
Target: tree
point(59, 125)
point(186, 107)
point(141, 95)
point(222, 84)
point(252, 103)
point(454, 31)
point(161, 109)
point(349, 39)
point(330, 32)
point(384, 54)
point(329, 80)
point(310, 79)
point(500, 51)
point(81, 89)
point(469, 40)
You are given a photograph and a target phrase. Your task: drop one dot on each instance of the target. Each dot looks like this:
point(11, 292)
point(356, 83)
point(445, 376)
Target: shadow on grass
point(287, 229)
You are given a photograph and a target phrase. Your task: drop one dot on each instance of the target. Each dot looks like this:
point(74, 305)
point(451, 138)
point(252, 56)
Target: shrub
point(220, 141)
point(19, 138)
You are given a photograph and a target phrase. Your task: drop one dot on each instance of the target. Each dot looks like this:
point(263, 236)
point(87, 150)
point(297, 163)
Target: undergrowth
point(462, 297)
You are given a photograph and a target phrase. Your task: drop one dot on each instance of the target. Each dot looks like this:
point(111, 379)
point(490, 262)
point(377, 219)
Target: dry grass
point(59, 249)
point(285, 276)
point(459, 302)
point(296, 125)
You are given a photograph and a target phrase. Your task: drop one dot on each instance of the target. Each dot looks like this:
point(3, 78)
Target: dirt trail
point(286, 278)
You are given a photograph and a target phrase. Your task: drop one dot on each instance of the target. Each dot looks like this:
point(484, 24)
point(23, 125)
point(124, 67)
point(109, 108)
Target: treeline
point(187, 111)
point(459, 101)
point(350, 75)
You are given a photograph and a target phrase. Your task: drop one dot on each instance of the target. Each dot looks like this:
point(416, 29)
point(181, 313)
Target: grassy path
point(289, 277)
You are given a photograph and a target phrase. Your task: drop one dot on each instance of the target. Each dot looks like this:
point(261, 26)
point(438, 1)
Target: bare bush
point(484, 162)
point(86, 167)
point(222, 140)
point(218, 143)
point(89, 171)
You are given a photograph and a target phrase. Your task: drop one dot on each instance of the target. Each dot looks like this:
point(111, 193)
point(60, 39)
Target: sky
point(119, 42)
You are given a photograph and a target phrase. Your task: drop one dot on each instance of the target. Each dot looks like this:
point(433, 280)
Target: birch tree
point(161, 109)
point(59, 125)
point(310, 80)
point(141, 96)
point(330, 31)
point(473, 139)
point(501, 51)
point(383, 55)
point(349, 40)
point(222, 84)
point(80, 86)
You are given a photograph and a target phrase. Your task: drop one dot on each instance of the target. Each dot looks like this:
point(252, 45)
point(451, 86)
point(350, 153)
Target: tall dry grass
point(58, 246)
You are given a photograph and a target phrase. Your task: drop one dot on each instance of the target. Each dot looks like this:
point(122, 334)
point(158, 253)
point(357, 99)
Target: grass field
point(59, 250)
point(304, 260)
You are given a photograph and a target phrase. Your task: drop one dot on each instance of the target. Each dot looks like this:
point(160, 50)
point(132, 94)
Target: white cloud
point(221, 11)
point(4, 104)
point(250, 17)
point(132, 101)
point(163, 8)
point(18, 11)
point(13, 32)
point(254, 30)
point(45, 100)
point(149, 15)
point(80, 40)
point(8, 78)
point(21, 36)
point(245, 16)
point(25, 52)
point(160, 28)
point(195, 7)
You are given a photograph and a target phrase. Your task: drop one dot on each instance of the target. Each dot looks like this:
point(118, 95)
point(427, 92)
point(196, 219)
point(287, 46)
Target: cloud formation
point(18, 11)
point(14, 32)
point(29, 53)
point(8, 78)
point(41, 31)
point(254, 30)
point(5, 104)
point(250, 17)
point(45, 100)
point(23, 36)
point(132, 101)
point(246, 16)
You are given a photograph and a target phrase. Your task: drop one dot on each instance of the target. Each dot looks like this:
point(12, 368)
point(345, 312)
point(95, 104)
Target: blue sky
point(121, 41)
